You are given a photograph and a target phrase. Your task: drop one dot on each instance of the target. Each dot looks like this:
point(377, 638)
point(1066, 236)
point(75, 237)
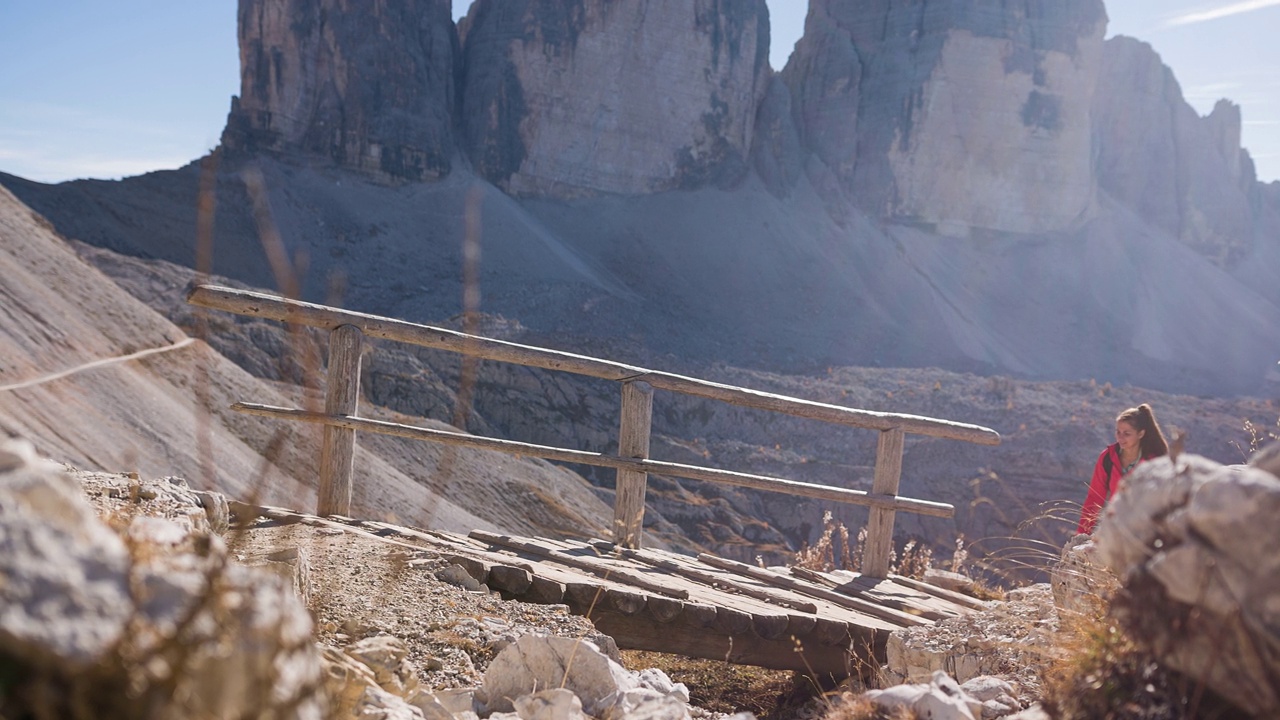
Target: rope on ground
point(97, 364)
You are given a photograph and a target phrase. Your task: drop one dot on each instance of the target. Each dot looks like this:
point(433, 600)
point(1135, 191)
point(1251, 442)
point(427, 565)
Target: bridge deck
point(708, 607)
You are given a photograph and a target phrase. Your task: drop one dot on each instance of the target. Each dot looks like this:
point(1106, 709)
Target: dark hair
point(1143, 418)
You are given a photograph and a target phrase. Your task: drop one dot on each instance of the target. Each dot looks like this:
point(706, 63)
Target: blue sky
point(99, 89)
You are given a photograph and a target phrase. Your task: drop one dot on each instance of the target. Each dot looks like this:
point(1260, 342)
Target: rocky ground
point(363, 590)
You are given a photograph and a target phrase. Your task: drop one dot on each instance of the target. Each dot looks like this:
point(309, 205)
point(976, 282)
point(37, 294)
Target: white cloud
point(1236, 8)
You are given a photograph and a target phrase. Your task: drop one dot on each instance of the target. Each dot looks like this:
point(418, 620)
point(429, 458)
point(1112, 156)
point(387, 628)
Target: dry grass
point(727, 688)
point(1106, 673)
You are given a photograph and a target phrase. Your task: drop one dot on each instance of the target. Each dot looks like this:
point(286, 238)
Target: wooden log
point(681, 637)
point(253, 304)
point(770, 626)
point(867, 588)
point(693, 472)
point(584, 597)
point(733, 622)
point(972, 603)
point(342, 397)
point(663, 609)
point(594, 567)
point(477, 569)
point(514, 580)
point(633, 442)
point(545, 591)
point(625, 602)
point(875, 555)
point(896, 617)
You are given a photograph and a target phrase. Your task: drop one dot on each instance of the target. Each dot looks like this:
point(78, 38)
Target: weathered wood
point(896, 617)
point(663, 609)
point(686, 637)
point(758, 482)
point(633, 442)
point(245, 302)
point(544, 590)
point(514, 580)
point(770, 626)
point(733, 622)
point(585, 597)
point(627, 603)
point(868, 588)
point(711, 579)
point(875, 555)
point(477, 569)
point(941, 593)
point(594, 567)
point(342, 397)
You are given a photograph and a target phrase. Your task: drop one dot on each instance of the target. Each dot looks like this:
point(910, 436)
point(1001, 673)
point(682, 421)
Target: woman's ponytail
point(1153, 442)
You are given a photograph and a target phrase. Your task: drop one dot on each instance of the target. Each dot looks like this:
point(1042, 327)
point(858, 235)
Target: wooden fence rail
point(347, 330)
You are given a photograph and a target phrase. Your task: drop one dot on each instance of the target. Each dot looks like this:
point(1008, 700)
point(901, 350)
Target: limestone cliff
point(955, 115)
point(1181, 172)
point(368, 86)
point(623, 96)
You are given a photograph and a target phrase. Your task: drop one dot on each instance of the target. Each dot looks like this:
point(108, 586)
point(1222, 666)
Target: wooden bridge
point(646, 599)
point(820, 624)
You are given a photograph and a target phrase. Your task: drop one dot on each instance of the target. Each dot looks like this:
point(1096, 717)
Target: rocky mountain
point(997, 195)
point(924, 184)
point(370, 88)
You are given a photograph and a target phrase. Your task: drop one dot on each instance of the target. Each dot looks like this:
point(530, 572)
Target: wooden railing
point(632, 463)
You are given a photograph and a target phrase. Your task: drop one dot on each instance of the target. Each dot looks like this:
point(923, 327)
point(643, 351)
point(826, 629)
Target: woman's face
point(1127, 435)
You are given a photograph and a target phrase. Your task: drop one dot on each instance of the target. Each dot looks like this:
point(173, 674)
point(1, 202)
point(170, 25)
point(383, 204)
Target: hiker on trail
point(1138, 438)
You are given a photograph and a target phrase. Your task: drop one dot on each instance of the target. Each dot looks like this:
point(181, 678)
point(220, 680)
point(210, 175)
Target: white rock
point(1197, 541)
point(554, 704)
point(64, 599)
point(535, 663)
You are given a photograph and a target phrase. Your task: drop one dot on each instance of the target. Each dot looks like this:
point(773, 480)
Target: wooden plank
point(342, 397)
point(254, 304)
point(633, 442)
point(766, 620)
point(896, 617)
point(955, 597)
point(868, 588)
point(875, 555)
point(708, 578)
point(834, 660)
point(594, 567)
point(693, 472)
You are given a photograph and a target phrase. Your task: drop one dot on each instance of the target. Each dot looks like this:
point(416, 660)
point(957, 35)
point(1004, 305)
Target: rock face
point(1192, 542)
point(950, 114)
point(629, 96)
point(370, 87)
point(1181, 172)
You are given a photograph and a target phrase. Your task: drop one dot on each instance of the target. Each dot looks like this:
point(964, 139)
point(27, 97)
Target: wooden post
point(342, 397)
point(875, 556)
point(633, 442)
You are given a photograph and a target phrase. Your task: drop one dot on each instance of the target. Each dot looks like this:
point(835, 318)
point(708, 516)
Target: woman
point(1138, 438)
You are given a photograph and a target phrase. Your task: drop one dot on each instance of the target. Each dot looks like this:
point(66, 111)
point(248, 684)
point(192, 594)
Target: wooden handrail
point(693, 472)
point(347, 328)
point(271, 307)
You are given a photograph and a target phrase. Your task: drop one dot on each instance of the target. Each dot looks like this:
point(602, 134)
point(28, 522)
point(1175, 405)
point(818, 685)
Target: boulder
point(1193, 544)
point(535, 663)
point(939, 699)
point(83, 609)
